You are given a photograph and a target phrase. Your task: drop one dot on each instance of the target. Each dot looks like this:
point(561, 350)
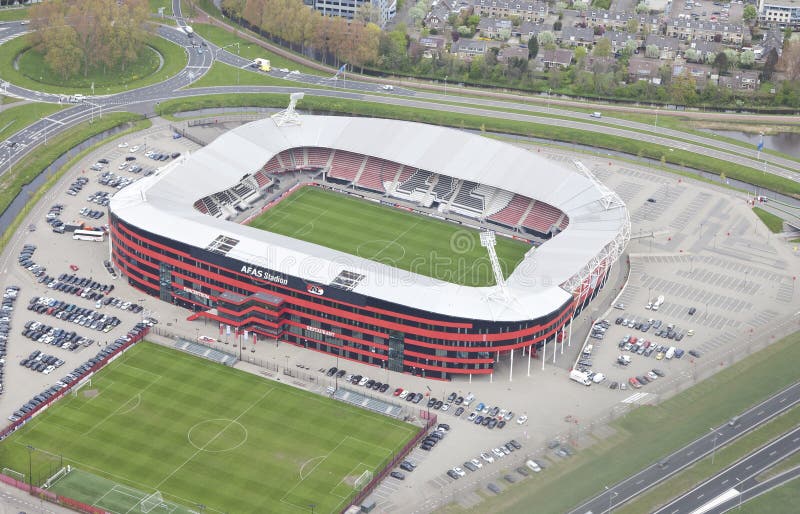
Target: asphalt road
point(202, 54)
point(693, 452)
point(740, 476)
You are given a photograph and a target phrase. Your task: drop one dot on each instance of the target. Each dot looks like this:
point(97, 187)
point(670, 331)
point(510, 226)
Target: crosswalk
point(634, 398)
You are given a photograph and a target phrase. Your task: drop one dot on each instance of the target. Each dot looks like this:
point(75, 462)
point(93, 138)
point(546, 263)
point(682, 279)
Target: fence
point(50, 496)
point(398, 457)
point(10, 429)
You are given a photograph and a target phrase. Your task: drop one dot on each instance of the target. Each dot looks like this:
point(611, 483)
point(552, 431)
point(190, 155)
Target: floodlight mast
point(488, 241)
point(289, 116)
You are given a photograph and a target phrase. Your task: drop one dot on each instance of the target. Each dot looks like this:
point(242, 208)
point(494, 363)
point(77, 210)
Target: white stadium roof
point(163, 204)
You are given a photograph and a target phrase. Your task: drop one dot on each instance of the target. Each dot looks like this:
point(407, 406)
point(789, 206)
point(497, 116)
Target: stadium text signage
point(196, 293)
point(262, 273)
point(320, 331)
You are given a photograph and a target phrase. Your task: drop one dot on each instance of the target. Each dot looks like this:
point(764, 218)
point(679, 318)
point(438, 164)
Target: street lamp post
point(30, 469)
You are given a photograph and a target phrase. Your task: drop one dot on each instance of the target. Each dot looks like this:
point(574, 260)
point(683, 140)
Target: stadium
point(411, 247)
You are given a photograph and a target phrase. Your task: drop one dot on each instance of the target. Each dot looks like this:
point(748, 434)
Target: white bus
point(89, 235)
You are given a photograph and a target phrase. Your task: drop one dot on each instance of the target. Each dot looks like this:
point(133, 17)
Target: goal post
point(151, 501)
point(81, 384)
point(362, 481)
point(57, 476)
point(14, 474)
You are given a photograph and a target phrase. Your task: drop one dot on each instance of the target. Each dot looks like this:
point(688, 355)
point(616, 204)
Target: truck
point(189, 30)
point(658, 302)
point(580, 377)
point(262, 64)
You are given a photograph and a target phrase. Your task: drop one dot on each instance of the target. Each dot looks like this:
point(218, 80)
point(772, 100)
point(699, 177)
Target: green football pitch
point(411, 242)
point(202, 434)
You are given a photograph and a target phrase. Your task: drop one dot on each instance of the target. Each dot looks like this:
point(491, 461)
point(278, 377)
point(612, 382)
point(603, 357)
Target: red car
point(73, 267)
point(634, 383)
point(398, 391)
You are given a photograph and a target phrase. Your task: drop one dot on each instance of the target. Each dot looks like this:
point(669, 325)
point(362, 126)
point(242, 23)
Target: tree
point(769, 64)
point(747, 58)
point(790, 60)
point(533, 47)
point(504, 33)
point(632, 26)
point(580, 56)
point(642, 7)
point(652, 51)
point(721, 63)
point(546, 39)
point(602, 48)
point(750, 13)
point(557, 26)
point(733, 57)
point(691, 54)
point(630, 46)
point(463, 30)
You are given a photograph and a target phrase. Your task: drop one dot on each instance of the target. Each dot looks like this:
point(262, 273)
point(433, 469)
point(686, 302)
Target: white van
point(670, 353)
point(596, 115)
point(580, 377)
point(533, 466)
point(588, 349)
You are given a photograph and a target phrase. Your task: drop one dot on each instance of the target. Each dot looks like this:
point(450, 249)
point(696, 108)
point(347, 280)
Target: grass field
point(774, 223)
point(390, 236)
point(203, 434)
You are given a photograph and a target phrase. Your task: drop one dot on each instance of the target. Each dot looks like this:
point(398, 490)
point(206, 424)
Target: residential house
point(527, 30)
point(493, 28)
point(468, 48)
point(731, 34)
point(705, 49)
point(779, 13)
point(558, 58)
point(619, 38)
point(668, 46)
point(740, 80)
point(526, 11)
point(437, 16)
point(576, 36)
point(700, 73)
point(640, 68)
point(618, 20)
point(514, 51)
point(432, 46)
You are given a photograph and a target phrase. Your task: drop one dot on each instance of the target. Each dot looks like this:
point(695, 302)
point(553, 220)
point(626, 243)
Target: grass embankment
point(778, 500)
point(703, 470)
point(13, 119)
point(22, 173)
point(649, 433)
point(247, 49)
point(436, 117)
point(174, 56)
point(774, 223)
point(156, 4)
point(222, 74)
point(13, 14)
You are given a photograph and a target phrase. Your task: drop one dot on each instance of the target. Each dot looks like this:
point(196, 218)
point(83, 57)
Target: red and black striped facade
point(326, 319)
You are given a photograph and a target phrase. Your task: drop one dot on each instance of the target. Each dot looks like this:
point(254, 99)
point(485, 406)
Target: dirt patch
point(90, 393)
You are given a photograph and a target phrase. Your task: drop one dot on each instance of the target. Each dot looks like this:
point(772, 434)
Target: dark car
point(332, 371)
point(452, 474)
point(479, 420)
point(406, 466)
point(459, 411)
point(398, 475)
point(384, 388)
point(493, 488)
point(418, 398)
point(693, 353)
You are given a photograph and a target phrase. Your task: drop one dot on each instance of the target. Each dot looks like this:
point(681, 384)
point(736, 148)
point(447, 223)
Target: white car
point(522, 420)
point(620, 306)
point(533, 465)
point(134, 149)
point(294, 72)
point(363, 381)
point(477, 463)
point(122, 145)
point(403, 395)
point(487, 457)
point(387, 87)
point(445, 407)
point(123, 165)
point(460, 472)
point(283, 70)
point(49, 369)
point(498, 452)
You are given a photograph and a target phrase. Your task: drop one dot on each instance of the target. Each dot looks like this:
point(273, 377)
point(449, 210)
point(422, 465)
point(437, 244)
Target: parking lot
point(697, 246)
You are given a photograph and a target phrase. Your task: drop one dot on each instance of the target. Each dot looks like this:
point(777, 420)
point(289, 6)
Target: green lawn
point(203, 433)
point(773, 223)
point(777, 500)
point(222, 74)
point(17, 117)
point(390, 236)
point(9, 14)
point(248, 49)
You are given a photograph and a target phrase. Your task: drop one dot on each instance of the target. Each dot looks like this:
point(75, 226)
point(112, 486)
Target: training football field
point(388, 235)
point(203, 434)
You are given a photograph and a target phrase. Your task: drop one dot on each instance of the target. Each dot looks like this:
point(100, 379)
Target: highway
point(202, 56)
point(693, 452)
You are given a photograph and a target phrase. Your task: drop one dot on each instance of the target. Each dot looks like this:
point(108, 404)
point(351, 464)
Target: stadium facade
point(178, 235)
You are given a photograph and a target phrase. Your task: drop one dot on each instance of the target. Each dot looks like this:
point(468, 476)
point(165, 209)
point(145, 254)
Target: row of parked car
point(111, 180)
point(45, 334)
point(110, 269)
point(158, 156)
point(122, 304)
point(76, 374)
point(91, 213)
point(25, 260)
point(669, 331)
point(10, 294)
point(53, 217)
point(79, 315)
point(361, 380)
point(41, 362)
point(102, 198)
point(487, 457)
point(77, 186)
